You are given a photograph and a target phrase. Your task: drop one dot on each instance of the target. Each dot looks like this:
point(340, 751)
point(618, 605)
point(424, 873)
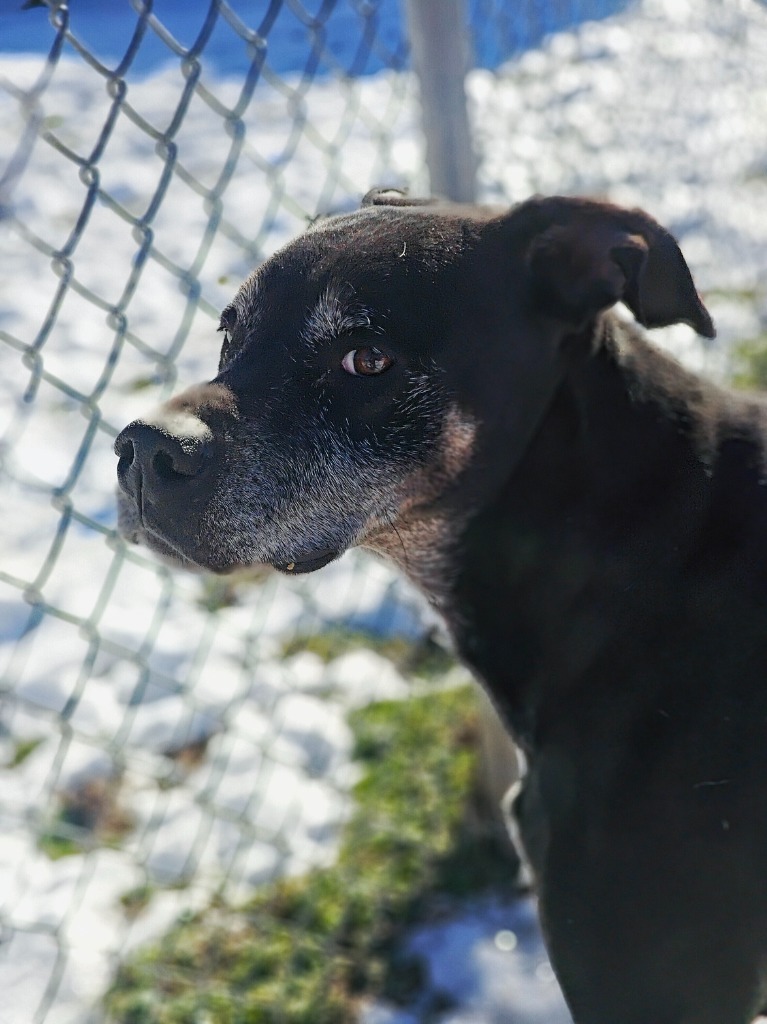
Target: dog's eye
point(366, 362)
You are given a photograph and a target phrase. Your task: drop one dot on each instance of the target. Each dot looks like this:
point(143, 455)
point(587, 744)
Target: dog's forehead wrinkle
point(337, 311)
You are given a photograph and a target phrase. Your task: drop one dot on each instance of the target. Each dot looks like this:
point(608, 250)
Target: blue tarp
point(336, 28)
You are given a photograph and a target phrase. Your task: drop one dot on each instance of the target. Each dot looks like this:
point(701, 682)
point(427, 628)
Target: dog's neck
point(425, 547)
point(422, 537)
point(598, 521)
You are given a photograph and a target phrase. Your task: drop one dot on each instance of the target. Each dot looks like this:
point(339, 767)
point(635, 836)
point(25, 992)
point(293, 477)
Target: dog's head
point(381, 371)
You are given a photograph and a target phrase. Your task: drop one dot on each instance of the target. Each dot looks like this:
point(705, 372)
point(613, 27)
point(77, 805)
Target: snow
point(491, 963)
point(112, 664)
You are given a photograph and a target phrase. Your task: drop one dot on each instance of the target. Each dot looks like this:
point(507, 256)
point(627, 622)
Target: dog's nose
point(151, 459)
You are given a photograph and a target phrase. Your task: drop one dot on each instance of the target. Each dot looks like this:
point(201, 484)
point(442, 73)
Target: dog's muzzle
point(166, 480)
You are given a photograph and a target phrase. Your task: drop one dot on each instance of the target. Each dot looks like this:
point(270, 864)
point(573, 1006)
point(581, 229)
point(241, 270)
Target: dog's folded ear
point(389, 196)
point(584, 256)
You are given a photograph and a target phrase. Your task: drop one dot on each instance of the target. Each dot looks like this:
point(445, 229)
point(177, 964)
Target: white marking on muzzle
point(178, 423)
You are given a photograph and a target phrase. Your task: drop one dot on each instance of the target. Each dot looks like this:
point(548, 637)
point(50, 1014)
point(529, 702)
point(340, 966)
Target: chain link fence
point(165, 738)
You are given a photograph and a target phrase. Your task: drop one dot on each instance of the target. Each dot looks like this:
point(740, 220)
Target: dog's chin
point(170, 555)
point(305, 558)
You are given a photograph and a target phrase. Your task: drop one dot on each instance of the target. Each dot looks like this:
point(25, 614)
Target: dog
point(451, 387)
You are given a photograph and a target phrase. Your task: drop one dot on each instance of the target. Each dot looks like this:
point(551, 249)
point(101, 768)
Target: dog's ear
point(394, 197)
point(585, 256)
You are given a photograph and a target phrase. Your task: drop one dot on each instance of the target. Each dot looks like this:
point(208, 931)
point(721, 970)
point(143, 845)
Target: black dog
point(445, 385)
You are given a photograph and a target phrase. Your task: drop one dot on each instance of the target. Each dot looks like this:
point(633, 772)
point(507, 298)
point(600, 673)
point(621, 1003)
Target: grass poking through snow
point(306, 950)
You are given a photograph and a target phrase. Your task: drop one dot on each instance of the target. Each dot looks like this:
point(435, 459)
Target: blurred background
point(255, 799)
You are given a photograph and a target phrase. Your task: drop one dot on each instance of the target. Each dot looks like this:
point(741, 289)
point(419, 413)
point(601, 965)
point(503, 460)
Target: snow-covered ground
point(181, 730)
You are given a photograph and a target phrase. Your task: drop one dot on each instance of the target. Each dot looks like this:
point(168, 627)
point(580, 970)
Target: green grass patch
point(306, 950)
point(425, 658)
point(750, 364)
point(136, 900)
point(22, 751)
point(747, 295)
point(143, 383)
point(217, 592)
point(86, 817)
point(55, 844)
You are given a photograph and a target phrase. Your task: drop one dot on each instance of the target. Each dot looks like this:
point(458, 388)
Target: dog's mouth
point(197, 557)
point(173, 556)
point(308, 563)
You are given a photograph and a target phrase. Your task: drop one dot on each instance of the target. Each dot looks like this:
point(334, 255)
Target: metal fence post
point(439, 45)
point(440, 49)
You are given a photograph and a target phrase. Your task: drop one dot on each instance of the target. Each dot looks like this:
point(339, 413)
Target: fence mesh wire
point(159, 730)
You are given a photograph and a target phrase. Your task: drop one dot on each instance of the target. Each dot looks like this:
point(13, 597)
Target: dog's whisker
point(405, 561)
